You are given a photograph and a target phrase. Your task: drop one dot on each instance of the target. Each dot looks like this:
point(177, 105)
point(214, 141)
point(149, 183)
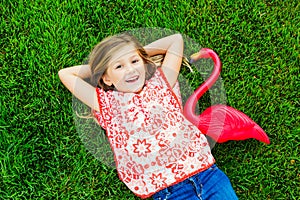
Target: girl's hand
point(73, 79)
point(172, 47)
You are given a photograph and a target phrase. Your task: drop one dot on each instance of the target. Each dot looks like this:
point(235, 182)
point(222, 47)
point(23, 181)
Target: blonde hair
point(102, 53)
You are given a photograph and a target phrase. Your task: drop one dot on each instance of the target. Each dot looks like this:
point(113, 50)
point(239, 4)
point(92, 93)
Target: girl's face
point(126, 71)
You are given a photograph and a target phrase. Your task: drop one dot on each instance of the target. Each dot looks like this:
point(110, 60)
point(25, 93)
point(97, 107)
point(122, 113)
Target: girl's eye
point(118, 67)
point(135, 61)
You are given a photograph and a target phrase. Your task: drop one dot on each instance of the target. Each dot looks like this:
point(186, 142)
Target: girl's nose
point(130, 68)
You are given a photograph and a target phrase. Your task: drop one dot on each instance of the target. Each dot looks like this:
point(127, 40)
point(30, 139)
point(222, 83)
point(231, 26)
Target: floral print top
point(154, 145)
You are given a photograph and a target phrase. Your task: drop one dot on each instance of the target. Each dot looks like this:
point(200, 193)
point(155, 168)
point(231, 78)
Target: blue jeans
point(210, 184)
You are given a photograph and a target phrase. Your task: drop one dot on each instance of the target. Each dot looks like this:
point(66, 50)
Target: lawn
point(42, 155)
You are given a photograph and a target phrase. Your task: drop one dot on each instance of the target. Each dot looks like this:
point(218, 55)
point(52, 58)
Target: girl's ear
point(106, 80)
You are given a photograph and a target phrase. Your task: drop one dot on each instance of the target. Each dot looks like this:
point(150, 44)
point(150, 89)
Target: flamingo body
point(223, 123)
point(220, 122)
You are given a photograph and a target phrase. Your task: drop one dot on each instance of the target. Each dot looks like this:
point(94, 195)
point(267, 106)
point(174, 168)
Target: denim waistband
point(190, 180)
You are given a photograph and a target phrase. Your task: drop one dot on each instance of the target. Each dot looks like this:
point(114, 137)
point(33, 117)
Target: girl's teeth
point(133, 79)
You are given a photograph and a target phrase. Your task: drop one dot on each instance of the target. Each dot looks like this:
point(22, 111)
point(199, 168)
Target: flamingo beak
point(200, 54)
point(195, 57)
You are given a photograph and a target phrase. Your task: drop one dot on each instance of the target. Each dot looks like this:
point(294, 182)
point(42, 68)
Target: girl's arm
point(73, 79)
point(172, 47)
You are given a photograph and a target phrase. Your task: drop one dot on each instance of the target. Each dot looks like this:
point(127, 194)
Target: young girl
point(157, 151)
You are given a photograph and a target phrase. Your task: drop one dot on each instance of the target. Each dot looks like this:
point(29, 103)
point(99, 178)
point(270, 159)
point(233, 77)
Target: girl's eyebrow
point(130, 57)
point(135, 54)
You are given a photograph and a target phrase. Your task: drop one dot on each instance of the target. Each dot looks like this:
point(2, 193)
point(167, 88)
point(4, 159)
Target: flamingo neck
point(191, 103)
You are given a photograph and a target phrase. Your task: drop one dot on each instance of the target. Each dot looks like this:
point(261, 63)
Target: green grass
point(42, 156)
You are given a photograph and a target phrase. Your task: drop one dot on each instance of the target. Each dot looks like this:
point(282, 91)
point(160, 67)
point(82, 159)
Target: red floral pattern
point(158, 180)
point(154, 144)
point(141, 148)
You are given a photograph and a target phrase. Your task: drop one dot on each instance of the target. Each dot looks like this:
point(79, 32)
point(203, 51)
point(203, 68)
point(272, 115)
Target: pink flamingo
point(220, 122)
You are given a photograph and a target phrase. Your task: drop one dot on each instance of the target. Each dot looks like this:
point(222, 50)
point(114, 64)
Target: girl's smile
point(126, 70)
